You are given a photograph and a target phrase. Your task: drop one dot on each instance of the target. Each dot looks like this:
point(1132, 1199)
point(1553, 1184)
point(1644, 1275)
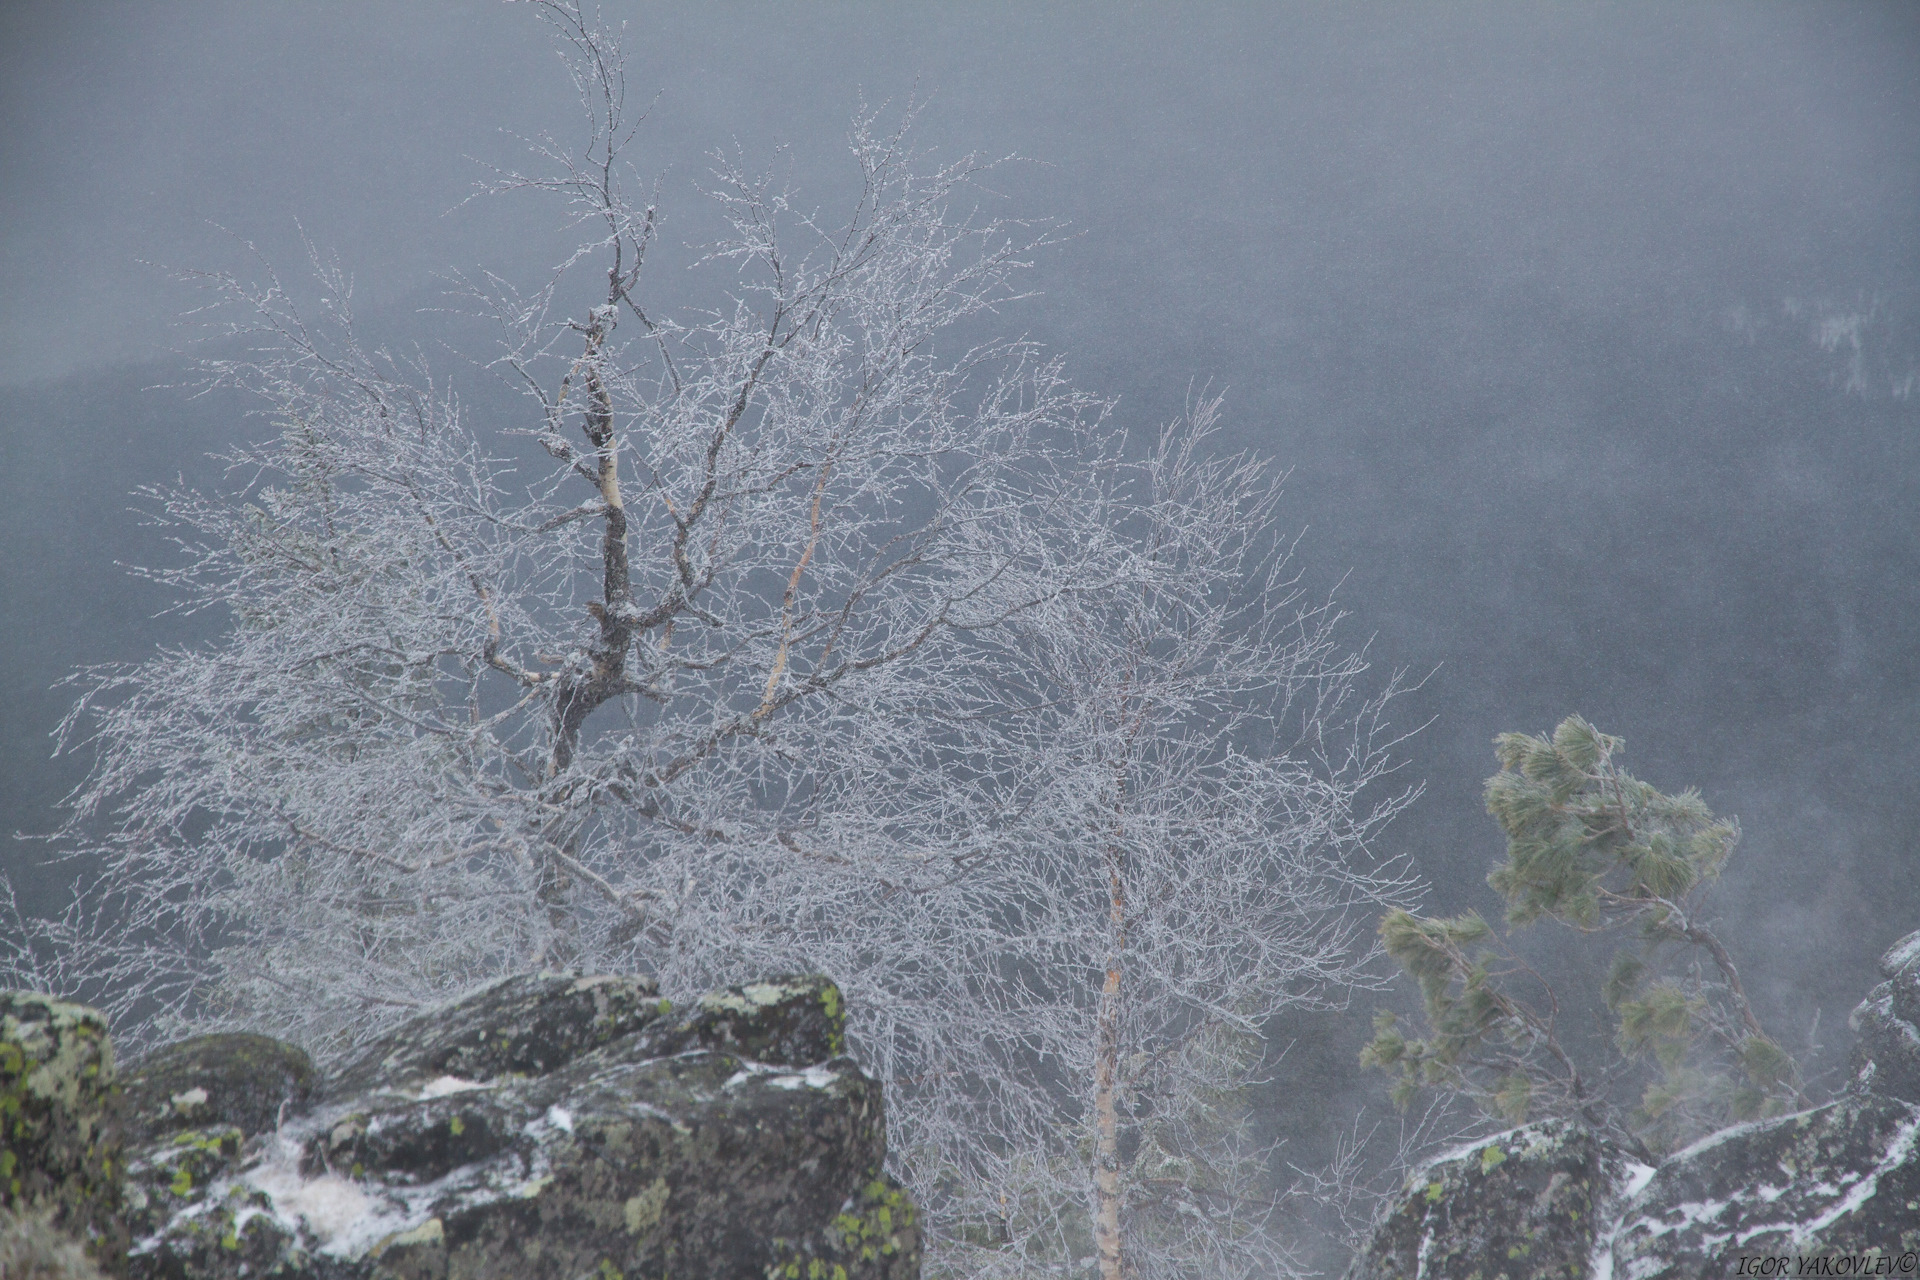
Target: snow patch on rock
point(814, 1077)
point(441, 1086)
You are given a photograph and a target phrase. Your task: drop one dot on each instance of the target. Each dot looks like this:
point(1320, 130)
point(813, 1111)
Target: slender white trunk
point(1106, 1154)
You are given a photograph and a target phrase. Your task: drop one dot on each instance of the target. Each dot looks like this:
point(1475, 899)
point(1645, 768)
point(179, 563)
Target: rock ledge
point(546, 1127)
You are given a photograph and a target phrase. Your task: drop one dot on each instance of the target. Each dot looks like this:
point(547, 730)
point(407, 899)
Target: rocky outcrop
point(547, 1126)
point(60, 1138)
point(1521, 1205)
point(529, 1025)
point(1841, 1181)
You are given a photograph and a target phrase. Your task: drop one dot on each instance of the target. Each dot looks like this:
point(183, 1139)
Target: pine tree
point(1597, 850)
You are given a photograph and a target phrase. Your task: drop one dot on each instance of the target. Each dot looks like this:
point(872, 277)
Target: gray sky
point(1528, 295)
point(1226, 161)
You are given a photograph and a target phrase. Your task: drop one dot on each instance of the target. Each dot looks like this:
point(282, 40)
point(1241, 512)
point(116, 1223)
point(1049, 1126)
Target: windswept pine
point(1600, 851)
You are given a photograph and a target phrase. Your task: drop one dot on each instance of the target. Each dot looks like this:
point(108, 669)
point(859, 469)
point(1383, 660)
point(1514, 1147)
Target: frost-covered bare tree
point(1168, 796)
point(798, 632)
point(1193, 859)
point(463, 723)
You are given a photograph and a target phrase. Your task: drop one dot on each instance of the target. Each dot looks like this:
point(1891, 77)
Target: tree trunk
point(1106, 1169)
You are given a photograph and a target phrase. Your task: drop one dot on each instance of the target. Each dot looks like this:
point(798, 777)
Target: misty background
point(1591, 335)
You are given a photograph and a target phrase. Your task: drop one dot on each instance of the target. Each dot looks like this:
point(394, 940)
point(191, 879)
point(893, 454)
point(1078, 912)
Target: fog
point(1590, 334)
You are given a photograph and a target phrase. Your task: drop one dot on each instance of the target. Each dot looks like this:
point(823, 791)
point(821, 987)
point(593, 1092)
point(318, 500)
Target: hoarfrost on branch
point(796, 633)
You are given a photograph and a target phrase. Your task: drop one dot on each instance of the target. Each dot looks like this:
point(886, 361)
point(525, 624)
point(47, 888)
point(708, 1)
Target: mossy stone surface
point(60, 1124)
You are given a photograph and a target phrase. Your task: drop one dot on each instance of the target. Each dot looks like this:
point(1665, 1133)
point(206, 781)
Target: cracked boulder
point(527, 1025)
point(546, 1126)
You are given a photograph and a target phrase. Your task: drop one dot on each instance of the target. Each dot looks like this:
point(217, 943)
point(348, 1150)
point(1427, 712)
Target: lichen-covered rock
point(172, 1174)
point(60, 1139)
point(1886, 1056)
point(791, 1020)
point(551, 1126)
point(246, 1081)
point(1842, 1178)
point(875, 1236)
point(685, 1165)
point(1522, 1205)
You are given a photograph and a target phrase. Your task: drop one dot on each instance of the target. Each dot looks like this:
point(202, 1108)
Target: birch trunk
point(1106, 1175)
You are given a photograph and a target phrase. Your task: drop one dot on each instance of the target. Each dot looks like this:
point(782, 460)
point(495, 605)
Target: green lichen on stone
point(235, 1236)
point(792, 1021)
point(749, 999)
point(666, 1150)
point(882, 1210)
point(60, 1120)
point(876, 1236)
point(430, 1232)
point(836, 1016)
point(225, 1140)
point(175, 1174)
point(641, 1213)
